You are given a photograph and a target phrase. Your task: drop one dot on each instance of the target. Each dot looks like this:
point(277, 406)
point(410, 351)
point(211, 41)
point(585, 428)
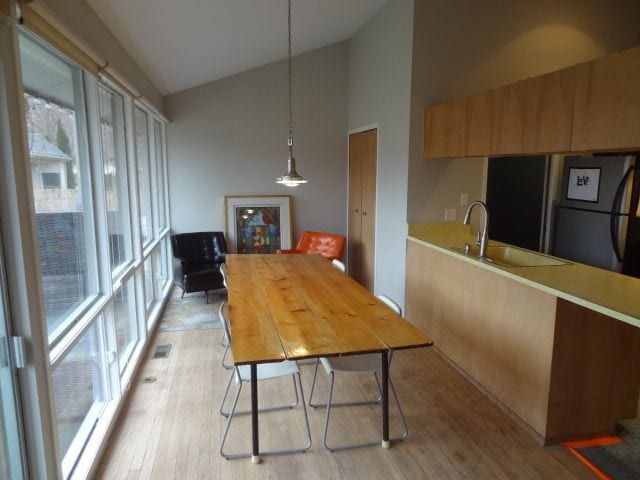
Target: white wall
point(379, 92)
point(463, 47)
point(229, 137)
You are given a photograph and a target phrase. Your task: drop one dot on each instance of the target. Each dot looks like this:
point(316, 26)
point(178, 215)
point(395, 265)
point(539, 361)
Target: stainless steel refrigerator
point(592, 215)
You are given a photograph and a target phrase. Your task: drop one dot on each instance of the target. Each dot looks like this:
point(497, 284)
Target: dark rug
point(192, 312)
point(616, 458)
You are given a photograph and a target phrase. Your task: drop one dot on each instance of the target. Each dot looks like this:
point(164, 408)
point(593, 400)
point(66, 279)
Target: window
point(149, 296)
point(158, 270)
point(51, 180)
point(164, 264)
point(111, 111)
point(93, 292)
point(63, 215)
point(159, 143)
point(144, 175)
point(79, 393)
point(123, 316)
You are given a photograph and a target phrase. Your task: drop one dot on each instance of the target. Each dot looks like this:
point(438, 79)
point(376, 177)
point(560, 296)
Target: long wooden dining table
point(292, 307)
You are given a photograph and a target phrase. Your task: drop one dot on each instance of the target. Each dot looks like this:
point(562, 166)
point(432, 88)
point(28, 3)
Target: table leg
point(255, 456)
point(385, 400)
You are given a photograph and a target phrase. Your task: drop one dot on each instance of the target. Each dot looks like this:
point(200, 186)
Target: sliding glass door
point(11, 465)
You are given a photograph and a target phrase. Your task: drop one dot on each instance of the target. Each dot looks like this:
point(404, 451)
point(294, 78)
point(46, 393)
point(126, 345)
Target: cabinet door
point(444, 129)
point(607, 106)
point(478, 124)
point(537, 114)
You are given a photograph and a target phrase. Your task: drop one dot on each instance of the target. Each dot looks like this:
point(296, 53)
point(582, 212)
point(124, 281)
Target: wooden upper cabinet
point(593, 106)
point(478, 124)
point(536, 115)
point(444, 129)
point(607, 107)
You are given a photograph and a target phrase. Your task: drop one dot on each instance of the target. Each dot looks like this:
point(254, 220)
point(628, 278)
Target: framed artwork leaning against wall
point(258, 223)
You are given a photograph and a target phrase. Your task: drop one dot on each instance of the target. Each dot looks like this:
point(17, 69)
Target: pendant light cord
point(290, 87)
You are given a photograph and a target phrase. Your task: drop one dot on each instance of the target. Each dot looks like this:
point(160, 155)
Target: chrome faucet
point(484, 238)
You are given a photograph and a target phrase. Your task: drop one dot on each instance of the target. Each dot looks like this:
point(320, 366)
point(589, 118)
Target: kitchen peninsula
point(557, 346)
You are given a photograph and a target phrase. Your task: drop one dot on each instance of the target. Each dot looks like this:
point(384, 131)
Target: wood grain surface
point(300, 306)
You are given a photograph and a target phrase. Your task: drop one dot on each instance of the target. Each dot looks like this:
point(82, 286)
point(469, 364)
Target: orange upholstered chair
point(328, 245)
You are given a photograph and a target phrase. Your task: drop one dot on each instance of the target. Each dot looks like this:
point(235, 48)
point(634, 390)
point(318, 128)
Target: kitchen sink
point(508, 256)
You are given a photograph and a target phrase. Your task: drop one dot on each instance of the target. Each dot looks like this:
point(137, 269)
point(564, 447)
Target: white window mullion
point(97, 169)
point(136, 234)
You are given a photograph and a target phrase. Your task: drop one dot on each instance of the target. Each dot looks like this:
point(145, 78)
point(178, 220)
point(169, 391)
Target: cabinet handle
point(357, 210)
point(364, 213)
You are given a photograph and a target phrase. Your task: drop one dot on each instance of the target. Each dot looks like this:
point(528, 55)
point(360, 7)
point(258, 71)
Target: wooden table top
point(300, 306)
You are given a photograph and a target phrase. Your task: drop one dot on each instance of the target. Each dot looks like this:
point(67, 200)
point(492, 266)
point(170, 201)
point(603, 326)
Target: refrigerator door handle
point(615, 213)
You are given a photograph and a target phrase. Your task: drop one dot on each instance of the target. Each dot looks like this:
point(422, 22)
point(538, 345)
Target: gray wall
point(229, 137)
point(463, 47)
point(379, 93)
point(82, 21)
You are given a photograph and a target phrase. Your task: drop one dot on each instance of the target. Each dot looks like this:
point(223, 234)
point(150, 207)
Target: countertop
point(606, 292)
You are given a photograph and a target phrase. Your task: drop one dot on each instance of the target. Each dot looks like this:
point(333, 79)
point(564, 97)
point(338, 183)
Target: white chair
point(339, 265)
point(265, 371)
point(225, 341)
point(366, 363)
point(223, 272)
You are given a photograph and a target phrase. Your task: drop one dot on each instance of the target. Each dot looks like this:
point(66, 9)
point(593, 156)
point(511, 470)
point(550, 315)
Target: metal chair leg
point(313, 385)
point(263, 410)
point(273, 452)
point(226, 428)
point(328, 413)
point(226, 392)
point(228, 366)
point(358, 445)
point(342, 404)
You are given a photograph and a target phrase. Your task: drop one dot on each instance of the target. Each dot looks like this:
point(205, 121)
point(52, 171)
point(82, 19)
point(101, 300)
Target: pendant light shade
point(291, 178)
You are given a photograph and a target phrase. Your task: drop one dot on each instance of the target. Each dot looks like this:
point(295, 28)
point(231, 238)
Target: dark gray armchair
point(196, 261)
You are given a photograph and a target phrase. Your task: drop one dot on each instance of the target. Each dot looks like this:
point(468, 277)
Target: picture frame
point(257, 223)
point(584, 184)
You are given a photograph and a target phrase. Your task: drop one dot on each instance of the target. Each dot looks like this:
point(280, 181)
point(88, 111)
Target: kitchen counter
point(609, 293)
point(557, 347)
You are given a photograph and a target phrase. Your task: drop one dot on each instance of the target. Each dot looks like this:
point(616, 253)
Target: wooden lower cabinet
point(563, 370)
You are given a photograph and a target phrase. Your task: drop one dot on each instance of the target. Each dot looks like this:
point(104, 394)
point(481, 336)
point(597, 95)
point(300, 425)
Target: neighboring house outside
point(49, 176)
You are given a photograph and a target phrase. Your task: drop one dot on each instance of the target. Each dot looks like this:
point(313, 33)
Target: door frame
point(372, 126)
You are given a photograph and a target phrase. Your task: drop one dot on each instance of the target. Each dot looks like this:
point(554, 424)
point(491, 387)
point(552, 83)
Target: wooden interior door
point(362, 205)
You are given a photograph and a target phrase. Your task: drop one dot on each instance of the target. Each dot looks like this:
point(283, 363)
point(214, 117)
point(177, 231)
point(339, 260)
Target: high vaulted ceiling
point(181, 44)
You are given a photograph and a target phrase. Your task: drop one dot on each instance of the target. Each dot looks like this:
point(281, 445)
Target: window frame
point(146, 244)
point(125, 268)
point(82, 453)
point(81, 106)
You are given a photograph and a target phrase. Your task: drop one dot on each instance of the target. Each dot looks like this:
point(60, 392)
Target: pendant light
point(291, 178)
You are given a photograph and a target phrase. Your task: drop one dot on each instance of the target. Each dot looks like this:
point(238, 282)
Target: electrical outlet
point(450, 214)
point(464, 199)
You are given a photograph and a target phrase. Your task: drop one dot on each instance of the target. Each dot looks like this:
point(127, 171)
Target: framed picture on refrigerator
point(583, 184)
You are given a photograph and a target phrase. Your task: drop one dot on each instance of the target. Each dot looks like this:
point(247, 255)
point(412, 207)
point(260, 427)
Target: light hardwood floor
point(172, 428)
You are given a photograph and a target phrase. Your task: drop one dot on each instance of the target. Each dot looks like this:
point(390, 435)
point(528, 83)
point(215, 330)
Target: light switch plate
point(464, 199)
point(450, 214)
